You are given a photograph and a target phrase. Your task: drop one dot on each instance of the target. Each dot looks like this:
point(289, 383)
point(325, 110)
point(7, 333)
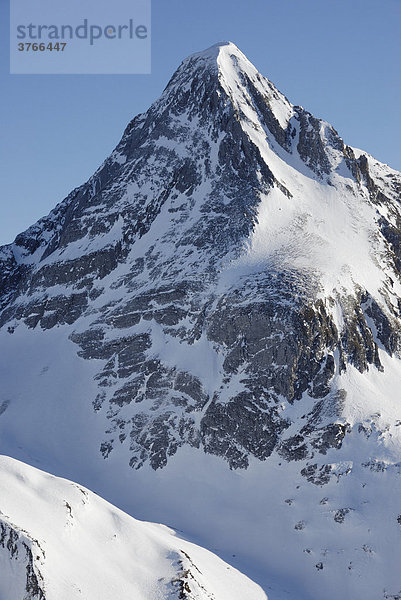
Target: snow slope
point(59, 541)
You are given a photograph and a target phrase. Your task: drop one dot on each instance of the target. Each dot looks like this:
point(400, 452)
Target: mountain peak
point(221, 56)
point(216, 59)
point(216, 52)
point(224, 293)
point(223, 75)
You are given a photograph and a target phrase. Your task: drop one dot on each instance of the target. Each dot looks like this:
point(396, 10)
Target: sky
point(340, 59)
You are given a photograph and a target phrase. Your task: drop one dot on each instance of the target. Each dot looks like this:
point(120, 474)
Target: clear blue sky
point(340, 59)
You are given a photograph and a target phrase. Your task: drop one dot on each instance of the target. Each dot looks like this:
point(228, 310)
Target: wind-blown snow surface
point(207, 334)
point(59, 541)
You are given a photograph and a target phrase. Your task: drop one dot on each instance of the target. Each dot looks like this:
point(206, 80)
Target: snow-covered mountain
point(207, 333)
point(59, 541)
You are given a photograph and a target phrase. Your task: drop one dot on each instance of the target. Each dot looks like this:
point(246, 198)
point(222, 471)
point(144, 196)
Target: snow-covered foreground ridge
point(207, 333)
point(59, 541)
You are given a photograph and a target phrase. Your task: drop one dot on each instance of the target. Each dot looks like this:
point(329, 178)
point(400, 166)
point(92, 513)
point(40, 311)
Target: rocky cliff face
point(16, 556)
point(231, 274)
